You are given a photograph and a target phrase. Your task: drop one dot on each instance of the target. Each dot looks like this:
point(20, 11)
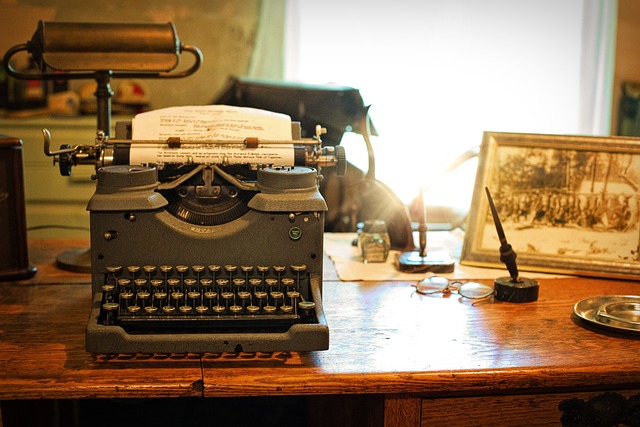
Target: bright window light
point(438, 73)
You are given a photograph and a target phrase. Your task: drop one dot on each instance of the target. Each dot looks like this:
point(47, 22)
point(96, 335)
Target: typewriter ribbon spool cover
point(195, 257)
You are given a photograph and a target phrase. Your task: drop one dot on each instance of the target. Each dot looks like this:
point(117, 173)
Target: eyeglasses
point(438, 284)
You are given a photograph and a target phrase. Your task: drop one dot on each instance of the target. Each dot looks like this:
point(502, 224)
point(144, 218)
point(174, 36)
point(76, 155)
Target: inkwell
point(420, 261)
point(513, 288)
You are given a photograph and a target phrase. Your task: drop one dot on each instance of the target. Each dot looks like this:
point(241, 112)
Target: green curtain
point(267, 60)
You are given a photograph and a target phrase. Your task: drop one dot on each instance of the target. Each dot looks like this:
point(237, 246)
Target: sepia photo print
point(567, 204)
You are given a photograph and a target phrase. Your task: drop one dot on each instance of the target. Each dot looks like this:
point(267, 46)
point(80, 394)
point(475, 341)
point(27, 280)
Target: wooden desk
point(396, 356)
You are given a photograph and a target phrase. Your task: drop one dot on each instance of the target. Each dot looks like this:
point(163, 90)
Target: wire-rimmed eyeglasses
point(438, 284)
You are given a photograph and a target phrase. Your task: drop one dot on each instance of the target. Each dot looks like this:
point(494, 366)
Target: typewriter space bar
point(222, 322)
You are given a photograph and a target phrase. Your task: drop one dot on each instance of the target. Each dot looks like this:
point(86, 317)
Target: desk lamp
point(100, 51)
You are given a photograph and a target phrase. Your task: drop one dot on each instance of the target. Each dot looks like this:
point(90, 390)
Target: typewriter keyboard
point(211, 297)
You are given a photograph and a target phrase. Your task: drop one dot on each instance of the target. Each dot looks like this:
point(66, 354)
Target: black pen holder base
point(434, 261)
point(522, 290)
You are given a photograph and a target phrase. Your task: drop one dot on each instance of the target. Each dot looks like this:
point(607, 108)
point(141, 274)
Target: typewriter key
point(271, 282)
point(306, 305)
point(166, 268)
point(185, 309)
point(244, 295)
point(210, 295)
point(255, 282)
point(149, 268)
point(160, 295)
point(198, 268)
point(177, 295)
point(133, 269)
point(293, 296)
point(143, 295)
point(108, 288)
point(218, 309)
point(202, 309)
point(213, 268)
point(231, 268)
point(306, 309)
point(114, 269)
point(190, 282)
point(270, 309)
point(253, 309)
point(173, 282)
point(299, 268)
point(156, 283)
point(235, 309)
point(206, 282)
point(182, 268)
point(288, 283)
point(110, 306)
point(169, 309)
point(133, 309)
point(124, 282)
point(246, 268)
point(151, 309)
point(287, 309)
point(140, 282)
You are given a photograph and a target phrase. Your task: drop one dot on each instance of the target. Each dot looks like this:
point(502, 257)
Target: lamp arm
point(366, 133)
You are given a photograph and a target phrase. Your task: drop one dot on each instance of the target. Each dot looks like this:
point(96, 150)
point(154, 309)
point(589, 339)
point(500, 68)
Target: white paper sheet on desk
point(348, 261)
point(211, 123)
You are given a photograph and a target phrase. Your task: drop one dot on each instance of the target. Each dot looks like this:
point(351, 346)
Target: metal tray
point(620, 313)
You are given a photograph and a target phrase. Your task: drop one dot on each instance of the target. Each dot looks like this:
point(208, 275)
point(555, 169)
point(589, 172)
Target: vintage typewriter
point(194, 256)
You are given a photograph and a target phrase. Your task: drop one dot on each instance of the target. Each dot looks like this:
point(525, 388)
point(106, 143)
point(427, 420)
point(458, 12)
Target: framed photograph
point(568, 204)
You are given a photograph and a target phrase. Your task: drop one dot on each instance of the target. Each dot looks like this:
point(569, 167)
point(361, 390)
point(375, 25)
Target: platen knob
point(64, 161)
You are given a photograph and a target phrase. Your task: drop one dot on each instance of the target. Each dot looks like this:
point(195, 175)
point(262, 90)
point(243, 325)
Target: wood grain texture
point(520, 410)
point(385, 339)
point(42, 353)
point(402, 411)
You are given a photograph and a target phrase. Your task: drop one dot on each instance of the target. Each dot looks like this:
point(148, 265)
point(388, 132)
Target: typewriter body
point(204, 257)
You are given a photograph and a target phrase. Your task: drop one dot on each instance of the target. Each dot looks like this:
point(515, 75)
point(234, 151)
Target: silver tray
point(616, 312)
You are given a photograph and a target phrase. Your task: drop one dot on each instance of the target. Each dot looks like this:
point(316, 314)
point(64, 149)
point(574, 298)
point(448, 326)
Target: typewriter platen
point(205, 257)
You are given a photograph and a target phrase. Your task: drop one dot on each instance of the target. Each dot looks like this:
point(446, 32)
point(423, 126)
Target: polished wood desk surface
point(385, 339)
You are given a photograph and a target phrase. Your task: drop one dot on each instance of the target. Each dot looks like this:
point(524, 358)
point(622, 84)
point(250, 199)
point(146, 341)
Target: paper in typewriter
point(208, 124)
